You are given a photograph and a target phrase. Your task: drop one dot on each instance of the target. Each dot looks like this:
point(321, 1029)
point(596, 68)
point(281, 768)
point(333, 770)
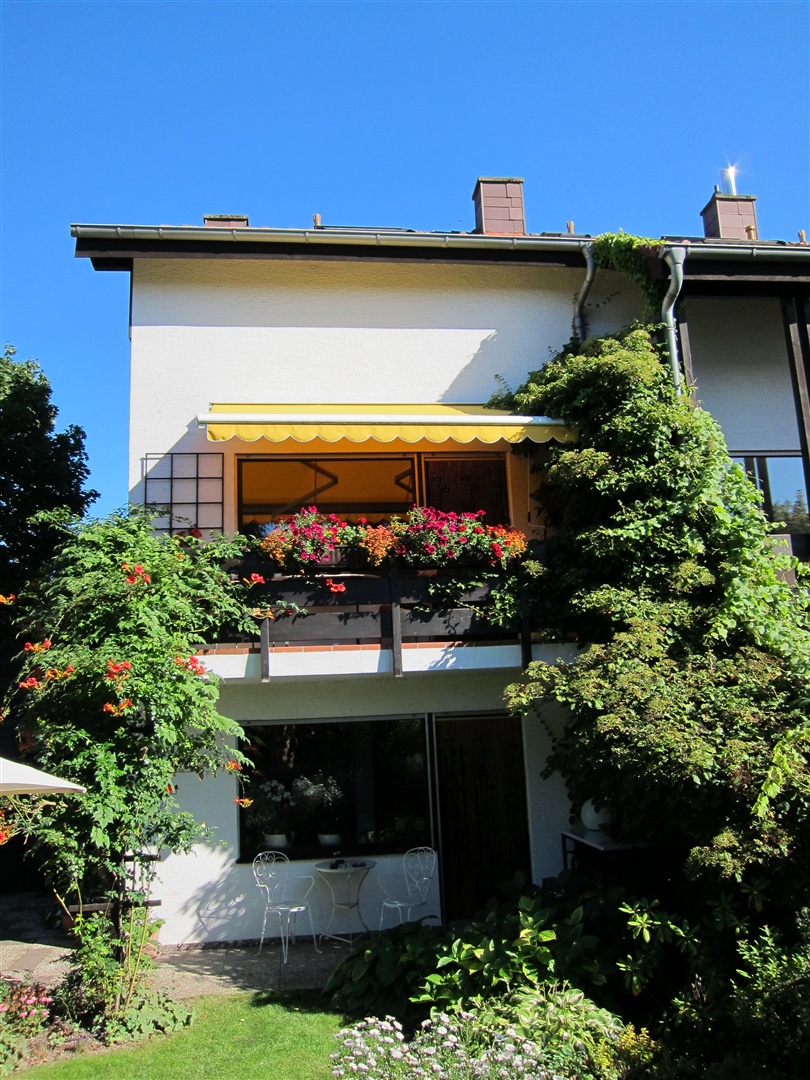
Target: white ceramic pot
point(328, 839)
point(596, 820)
point(276, 841)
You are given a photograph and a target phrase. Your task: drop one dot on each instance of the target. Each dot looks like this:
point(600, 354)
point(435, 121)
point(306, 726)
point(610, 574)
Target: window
point(360, 786)
point(780, 479)
point(185, 489)
point(373, 486)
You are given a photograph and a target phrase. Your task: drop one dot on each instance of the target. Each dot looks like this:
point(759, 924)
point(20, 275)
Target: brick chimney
point(730, 217)
point(225, 221)
point(499, 205)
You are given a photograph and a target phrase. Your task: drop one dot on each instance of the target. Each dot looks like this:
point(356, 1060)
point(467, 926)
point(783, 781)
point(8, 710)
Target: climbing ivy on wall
point(689, 698)
point(626, 254)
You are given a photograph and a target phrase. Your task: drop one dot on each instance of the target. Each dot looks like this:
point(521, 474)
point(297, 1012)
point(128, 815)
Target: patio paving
point(32, 946)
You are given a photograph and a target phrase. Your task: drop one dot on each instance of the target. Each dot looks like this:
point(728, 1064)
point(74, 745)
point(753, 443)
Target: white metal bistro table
point(344, 878)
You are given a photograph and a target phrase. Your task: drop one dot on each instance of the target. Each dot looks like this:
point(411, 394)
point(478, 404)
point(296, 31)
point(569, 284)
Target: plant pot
point(328, 839)
point(596, 820)
point(276, 841)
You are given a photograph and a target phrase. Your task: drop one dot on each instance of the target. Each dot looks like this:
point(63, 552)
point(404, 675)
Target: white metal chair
point(272, 872)
point(418, 868)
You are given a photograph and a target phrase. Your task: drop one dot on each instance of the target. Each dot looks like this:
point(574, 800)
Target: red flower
point(193, 664)
point(233, 766)
point(117, 671)
point(37, 646)
point(7, 599)
point(130, 579)
point(30, 684)
point(195, 532)
point(335, 586)
point(169, 789)
point(244, 802)
point(138, 568)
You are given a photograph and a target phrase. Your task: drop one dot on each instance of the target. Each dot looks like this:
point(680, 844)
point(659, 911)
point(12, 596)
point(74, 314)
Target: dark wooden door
point(482, 809)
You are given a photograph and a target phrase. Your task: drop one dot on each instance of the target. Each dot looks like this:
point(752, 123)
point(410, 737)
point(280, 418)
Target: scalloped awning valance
point(378, 423)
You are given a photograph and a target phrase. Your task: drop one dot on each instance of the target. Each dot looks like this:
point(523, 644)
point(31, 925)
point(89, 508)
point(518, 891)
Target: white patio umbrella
point(17, 779)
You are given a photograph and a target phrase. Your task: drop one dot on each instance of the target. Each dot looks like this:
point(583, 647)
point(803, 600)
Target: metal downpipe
point(675, 258)
point(578, 323)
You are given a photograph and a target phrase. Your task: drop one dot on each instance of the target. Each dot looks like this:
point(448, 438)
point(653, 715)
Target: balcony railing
point(387, 607)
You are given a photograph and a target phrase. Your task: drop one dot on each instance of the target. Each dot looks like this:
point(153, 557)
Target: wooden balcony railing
point(388, 606)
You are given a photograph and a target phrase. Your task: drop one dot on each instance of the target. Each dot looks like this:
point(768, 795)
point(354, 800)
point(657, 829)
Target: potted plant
point(322, 801)
point(272, 809)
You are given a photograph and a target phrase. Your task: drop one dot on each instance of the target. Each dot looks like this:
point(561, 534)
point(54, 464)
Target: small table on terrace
point(344, 878)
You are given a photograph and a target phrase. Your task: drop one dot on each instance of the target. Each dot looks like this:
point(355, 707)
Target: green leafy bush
point(388, 973)
point(13, 1048)
point(107, 995)
point(509, 947)
point(686, 711)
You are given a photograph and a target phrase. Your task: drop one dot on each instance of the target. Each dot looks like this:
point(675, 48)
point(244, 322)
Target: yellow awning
point(378, 423)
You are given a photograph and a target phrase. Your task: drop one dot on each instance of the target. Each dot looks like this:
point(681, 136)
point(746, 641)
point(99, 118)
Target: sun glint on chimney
point(499, 205)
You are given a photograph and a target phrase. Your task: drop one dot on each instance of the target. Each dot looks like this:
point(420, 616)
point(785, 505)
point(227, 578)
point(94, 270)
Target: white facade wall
point(741, 370)
point(262, 331)
point(209, 896)
point(208, 330)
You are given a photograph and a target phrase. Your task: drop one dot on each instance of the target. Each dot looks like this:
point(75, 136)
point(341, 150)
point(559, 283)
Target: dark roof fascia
point(115, 247)
point(741, 267)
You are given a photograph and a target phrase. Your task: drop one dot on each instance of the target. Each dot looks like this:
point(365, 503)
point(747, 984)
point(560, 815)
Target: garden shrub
point(686, 711)
point(387, 975)
point(13, 1048)
point(508, 947)
point(100, 994)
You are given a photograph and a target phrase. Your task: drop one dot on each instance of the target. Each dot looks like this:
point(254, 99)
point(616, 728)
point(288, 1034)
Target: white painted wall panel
point(208, 896)
point(741, 369)
point(257, 331)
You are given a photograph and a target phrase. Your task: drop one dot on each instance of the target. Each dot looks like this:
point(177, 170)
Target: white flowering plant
point(444, 1047)
point(272, 806)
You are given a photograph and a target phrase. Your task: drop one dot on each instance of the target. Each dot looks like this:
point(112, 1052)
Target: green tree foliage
point(695, 672)
point(113, 697)
point(42, 470)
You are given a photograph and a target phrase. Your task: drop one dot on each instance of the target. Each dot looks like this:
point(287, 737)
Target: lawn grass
point(238, 1037)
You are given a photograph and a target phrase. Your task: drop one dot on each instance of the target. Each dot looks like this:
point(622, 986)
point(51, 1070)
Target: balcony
point(371, 621)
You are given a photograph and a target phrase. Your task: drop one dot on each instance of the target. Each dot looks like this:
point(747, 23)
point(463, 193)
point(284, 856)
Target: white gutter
point(359, 237)
point(766, 250)
point(492, 420)
point(371, 238)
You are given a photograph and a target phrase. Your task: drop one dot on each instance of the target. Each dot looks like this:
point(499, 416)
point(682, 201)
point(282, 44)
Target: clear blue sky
point(618, 115)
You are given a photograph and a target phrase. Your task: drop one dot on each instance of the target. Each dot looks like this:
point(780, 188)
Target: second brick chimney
point(499, 205)
point(730, 217)
point(226, 221)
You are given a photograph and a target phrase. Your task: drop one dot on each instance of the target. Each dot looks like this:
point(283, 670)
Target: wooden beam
point(265, 642)
point(685, 348)
point(396, 623)
point(797, 336)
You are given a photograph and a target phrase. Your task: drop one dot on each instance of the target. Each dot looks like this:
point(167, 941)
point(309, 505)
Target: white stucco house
point(347, 367)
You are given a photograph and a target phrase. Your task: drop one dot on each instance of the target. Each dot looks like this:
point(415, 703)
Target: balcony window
point(357, 786)
point(780, 479)
point(372, 486)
